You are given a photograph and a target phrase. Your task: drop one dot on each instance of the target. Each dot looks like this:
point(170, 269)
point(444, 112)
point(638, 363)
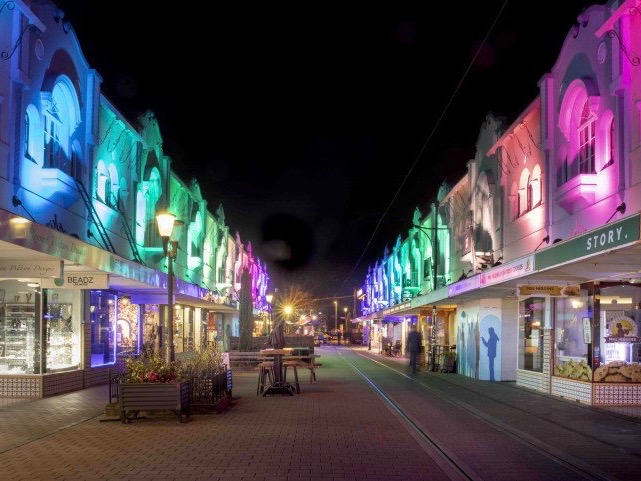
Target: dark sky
point(303, 119)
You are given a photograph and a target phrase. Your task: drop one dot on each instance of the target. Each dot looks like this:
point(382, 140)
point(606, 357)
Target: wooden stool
point(293, 365)
point(265, 369)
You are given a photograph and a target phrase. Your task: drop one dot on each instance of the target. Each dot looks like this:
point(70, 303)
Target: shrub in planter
point(151, 384)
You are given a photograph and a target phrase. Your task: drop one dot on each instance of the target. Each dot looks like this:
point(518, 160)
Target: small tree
point(246, 314)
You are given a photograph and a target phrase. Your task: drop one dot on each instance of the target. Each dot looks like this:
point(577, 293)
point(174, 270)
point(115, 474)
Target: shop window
point(586, 141)
point(18, 327)
point(531, 322)
point(617, 343)
point(127, 333)
point(62, 329)
point(103, 309)
point(152, 330)
point(572, 336)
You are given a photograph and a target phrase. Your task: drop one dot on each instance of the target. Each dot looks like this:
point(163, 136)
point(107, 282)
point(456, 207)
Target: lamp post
point(166, 226)
point(434, 243)
point(287, 310)
point(335, 315)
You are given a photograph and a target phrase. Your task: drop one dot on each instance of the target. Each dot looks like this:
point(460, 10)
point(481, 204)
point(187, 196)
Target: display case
point(59, 337)
point(17, 334)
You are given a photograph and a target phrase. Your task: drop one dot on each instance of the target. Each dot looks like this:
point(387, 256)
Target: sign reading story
point(78, 280)
point(608, 237)
point(620, 328)
point(25, 268)
point(505, 272)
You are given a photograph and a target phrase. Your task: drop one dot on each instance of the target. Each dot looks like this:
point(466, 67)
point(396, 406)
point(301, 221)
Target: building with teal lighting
point(83, 272)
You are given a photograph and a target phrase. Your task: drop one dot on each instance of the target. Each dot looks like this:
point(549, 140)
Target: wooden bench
point(306, 362)
point(239, 358)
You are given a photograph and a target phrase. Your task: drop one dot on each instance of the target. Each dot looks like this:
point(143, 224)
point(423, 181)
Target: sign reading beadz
point(78, 280)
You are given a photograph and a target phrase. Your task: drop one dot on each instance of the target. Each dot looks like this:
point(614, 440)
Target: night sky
point(304, 119)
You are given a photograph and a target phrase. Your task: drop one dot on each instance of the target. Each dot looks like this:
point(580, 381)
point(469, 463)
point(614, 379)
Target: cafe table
point(278, 386)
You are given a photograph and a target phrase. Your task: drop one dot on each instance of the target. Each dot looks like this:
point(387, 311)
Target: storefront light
point(576, 303)
point(33, 284)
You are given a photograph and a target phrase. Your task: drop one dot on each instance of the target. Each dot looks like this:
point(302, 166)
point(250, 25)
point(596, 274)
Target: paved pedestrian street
point(338, 428)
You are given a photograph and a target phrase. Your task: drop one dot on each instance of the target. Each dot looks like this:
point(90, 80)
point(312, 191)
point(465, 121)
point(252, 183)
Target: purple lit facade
point(541, 264)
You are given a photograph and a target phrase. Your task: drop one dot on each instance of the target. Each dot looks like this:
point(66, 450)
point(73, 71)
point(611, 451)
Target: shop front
point(580, 338)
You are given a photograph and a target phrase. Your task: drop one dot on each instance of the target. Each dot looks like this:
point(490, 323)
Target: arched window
point(61, 116)
point(611, 150)
point(525, 201)
point(534, 188)
point(103, 184)
point(586, 141)
point(27, 154)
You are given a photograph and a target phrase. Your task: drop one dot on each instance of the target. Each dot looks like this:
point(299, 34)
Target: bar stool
point(293, 365)
point(265, 370)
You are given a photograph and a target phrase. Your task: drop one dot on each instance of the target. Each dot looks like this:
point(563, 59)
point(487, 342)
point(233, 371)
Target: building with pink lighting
point(538, 278)
point(83, 274)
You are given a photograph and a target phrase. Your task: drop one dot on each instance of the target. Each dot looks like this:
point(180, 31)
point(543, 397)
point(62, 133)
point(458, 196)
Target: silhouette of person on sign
point(491, 349)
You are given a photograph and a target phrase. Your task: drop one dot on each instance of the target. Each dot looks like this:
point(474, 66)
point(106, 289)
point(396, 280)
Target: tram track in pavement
point(446, 455)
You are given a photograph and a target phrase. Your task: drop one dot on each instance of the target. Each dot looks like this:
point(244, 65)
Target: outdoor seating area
point(274, 366)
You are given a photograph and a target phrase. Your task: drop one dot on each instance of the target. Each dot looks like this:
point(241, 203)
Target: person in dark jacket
point(414, 345)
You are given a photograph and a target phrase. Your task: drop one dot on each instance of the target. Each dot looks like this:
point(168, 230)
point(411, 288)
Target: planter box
point(213, 393)
point(136, 397)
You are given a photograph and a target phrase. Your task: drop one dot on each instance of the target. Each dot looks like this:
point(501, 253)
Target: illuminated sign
point(464, 285)
point(505, 272)
point(613, 235)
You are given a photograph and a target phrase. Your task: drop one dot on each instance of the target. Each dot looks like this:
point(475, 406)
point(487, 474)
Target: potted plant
point(207, 377)
point(151, 384)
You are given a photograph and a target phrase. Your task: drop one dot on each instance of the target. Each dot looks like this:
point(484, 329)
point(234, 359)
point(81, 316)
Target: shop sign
point(620, 328)
point(78, 280)
point(17, 269)
point(463, 286)
point(397, 308)
point(608, 237)
point(548, 290)
point(505, 272)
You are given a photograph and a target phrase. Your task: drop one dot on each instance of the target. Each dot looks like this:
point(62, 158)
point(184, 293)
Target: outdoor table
point(278, 386)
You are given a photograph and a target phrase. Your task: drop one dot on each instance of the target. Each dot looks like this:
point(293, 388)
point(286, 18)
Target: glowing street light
point(168, 230)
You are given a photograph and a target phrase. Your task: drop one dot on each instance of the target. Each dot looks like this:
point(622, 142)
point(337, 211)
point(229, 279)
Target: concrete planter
point(136, 397)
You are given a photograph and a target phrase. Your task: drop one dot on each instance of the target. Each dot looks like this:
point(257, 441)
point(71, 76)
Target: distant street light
point(287, 310)
point(168, 228)
point(336, 315)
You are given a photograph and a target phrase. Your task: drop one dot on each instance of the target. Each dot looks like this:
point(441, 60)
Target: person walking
point(414, 345)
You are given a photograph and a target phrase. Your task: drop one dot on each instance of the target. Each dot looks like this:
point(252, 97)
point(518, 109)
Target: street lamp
point(434, 244)
point(335, 315)
point(167, 228)
point(345, 317)
point(287, 310)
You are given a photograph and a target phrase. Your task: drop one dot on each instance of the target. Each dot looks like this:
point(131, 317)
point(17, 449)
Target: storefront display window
point(617, 336)
point(572, 336)
point(103, 309)
point(61, 318)
point(531, 334)
point(18, 346)
point(127, 338)
point(152, 332)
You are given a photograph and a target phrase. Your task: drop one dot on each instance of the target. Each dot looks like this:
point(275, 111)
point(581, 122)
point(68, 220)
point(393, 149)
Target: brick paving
point(336, 429)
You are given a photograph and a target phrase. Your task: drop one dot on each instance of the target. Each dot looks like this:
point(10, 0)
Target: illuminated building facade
point(540, 263)
point(83, 274)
